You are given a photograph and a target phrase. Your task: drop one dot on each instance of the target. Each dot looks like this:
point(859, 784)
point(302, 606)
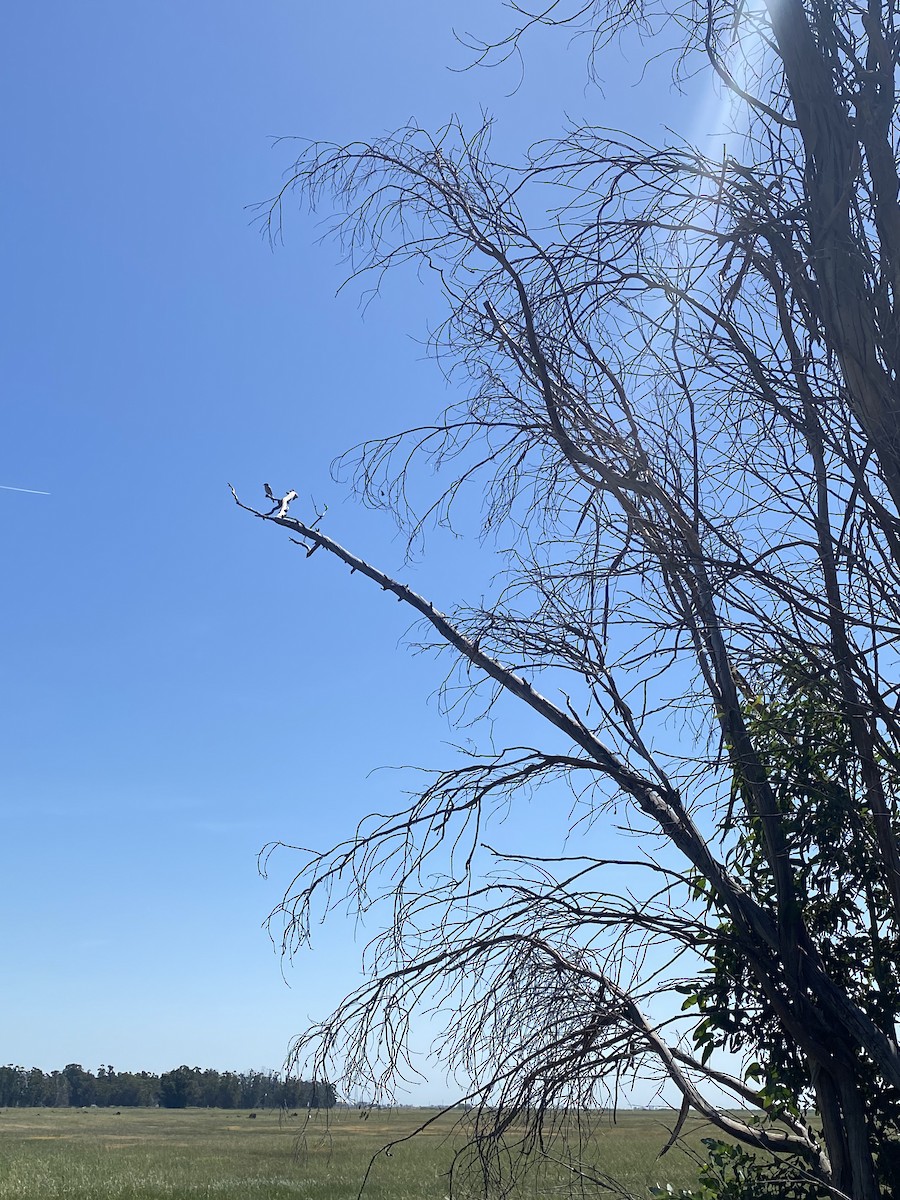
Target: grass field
point(148, 1154)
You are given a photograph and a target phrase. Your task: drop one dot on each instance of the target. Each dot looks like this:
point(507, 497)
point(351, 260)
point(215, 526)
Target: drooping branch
point(663, 806)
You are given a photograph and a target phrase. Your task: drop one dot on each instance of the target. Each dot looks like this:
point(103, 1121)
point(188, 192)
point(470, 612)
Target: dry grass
point(213, 1154)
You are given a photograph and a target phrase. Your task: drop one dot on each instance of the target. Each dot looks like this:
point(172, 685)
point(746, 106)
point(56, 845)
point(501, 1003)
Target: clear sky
point(180, 686)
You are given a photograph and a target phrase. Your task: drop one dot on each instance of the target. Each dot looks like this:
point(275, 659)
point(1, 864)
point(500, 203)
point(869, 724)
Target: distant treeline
point(73, 1087)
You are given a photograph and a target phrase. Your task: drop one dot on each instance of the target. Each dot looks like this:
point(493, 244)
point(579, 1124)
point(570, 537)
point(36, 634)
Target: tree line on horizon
point(183, 1087)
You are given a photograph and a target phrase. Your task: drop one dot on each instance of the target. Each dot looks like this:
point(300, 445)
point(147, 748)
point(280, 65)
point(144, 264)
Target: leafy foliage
point(731, 1173)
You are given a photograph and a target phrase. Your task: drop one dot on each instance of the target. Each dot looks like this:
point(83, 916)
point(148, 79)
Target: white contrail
point(34, 491)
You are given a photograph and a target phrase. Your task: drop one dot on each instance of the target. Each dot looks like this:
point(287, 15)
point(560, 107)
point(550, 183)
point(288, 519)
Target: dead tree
point(679, 391)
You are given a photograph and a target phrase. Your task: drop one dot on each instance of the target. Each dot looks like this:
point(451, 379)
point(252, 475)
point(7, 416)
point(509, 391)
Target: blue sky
point(179, 686)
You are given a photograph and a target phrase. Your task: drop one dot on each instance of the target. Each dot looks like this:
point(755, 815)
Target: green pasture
point(148, 1154)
